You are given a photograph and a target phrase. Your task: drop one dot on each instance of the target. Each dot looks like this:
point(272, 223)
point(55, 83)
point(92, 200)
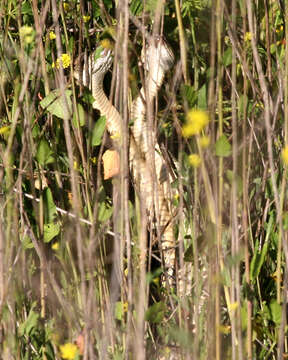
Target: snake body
point(158, 59)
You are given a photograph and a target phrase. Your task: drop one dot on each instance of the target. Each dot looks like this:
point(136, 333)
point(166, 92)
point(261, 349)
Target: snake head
point(158, 52)
point(166, 54)
point(97, 64)
point(102, 59)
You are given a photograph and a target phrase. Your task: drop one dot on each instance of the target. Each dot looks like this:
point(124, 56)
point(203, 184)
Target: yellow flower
point(86, 18)
point(65, 6)
point(68, 351)
point(55, 246)
point(93, 160)
point(156, 281)
point(196, 120)
point(225, 329)
point(125, 307)
point(247, 36)
point(279, 29)
point(65, 60)
point(285, 155)
point(204, 141)
point(233, 306)
point(4, 130)
point(106, 44)
point(52, 35)
point(27, 34)
point(116, 136)
point(259, 105)
point(194, 160)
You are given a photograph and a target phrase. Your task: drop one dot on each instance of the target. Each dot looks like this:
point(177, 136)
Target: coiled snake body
point(158, 59)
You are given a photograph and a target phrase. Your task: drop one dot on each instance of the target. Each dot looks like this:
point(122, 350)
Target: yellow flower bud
point(204, 141)
point(86, 18)
point(247, 36)
point(285, 155)
point(196, 120)
point(52, 35)
point(194, 160)
point(68, 351)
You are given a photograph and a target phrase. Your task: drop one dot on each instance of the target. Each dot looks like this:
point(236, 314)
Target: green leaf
point(44, 153)
point(50, 231)
point(98, 131)
point(50, 210)
point(119, 310)
point(81, 118)
point(227, 57)
point(87, 97)
point(105, 212)
point(29, 324)
point(54, 103)
point(243, 99)
point(71, 44)
point(222, 147)
point(275, 312)
point(27, 243)
point(36, 130)
point(285, 220)
point(260, 254)
point(189, 94)
point(151, 5)
point(202, 103)
point(26, 8)
point(136, 7)
point(155, 313)
point(273, 48)
point(244, 317)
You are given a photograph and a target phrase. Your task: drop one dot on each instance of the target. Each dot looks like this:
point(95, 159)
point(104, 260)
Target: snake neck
point(102, 103)
point(140, 131)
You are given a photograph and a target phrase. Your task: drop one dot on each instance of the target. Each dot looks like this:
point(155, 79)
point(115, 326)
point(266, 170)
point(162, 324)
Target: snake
point(158, 59)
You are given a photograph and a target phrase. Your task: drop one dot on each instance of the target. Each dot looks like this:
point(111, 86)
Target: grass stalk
point(245, 201)
point(219, 12)
point(183, 46)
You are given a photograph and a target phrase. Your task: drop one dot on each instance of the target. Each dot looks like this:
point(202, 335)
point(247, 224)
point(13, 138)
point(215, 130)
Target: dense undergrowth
point(72, 261)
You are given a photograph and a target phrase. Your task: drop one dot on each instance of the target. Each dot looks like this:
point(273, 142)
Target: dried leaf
point(111, 163)
point(80, 344)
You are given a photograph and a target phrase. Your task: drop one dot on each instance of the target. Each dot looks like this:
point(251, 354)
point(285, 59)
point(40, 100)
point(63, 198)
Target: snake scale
point(158, 59)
